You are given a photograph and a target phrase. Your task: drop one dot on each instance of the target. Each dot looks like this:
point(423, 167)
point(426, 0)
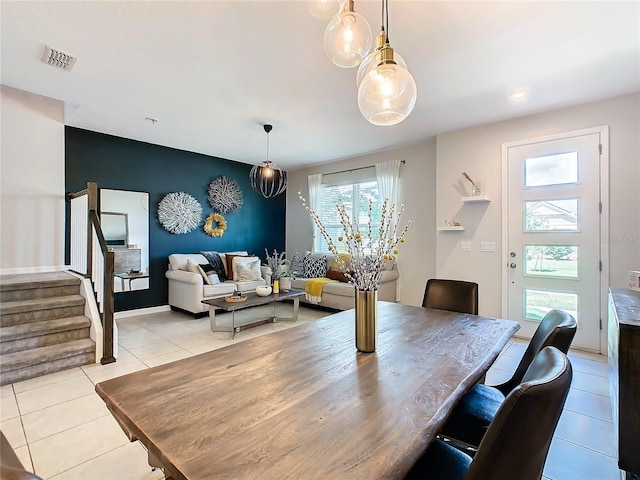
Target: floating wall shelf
point(477, 198)
point(450, 229)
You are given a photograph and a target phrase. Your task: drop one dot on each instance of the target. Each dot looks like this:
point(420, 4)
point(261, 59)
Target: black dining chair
point(453, 295)
point(518, 440)
point(471, 417)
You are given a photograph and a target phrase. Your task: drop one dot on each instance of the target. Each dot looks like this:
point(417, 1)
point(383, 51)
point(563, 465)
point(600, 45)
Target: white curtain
point(315, 191)
point(387, 174)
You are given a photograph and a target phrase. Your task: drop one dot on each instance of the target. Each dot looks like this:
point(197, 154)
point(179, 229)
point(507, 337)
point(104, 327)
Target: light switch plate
point(487, 246)
point(465, 246)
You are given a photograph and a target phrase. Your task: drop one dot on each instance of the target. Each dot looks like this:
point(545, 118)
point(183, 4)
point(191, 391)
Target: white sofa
point(341, 295)
point(187, 289)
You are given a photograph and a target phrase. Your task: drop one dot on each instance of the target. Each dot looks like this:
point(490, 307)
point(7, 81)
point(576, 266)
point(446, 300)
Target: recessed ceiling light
point(517, 95)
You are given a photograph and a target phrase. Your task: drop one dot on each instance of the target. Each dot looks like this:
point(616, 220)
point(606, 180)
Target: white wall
point(417, 185)
point(478, 152)
point(31, 182)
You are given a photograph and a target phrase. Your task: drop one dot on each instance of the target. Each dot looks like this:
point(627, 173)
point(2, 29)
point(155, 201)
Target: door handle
point(512, 265)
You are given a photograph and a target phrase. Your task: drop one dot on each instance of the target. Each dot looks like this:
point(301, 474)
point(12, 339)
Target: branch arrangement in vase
point(369, 249)
point(275, 262)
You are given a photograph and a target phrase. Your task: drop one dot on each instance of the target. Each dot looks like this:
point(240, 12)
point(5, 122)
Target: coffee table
point(253, 300)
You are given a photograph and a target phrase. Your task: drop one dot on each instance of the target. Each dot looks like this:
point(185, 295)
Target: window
point(355, 197)
point(557, 169)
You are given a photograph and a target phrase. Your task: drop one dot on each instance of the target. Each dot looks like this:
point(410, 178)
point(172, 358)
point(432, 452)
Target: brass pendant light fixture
point(387, 93)
point(268, 178)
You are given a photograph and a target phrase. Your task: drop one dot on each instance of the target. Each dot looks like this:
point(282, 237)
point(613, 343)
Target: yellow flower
point(395, 251)
point(402, 240)
point(340, 238)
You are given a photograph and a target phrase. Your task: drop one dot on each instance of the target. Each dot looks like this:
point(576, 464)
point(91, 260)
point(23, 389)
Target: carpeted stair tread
point(44, 327)
point(36, 356)
point(7, 308)
point(36, 280)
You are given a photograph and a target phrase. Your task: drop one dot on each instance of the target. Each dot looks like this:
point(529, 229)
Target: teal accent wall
point(123, 164)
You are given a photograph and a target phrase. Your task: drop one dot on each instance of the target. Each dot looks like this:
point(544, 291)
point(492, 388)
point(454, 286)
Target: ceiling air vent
point(59, 59)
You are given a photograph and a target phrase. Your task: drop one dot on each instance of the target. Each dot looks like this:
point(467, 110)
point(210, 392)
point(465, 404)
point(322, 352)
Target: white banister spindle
point(79, 222)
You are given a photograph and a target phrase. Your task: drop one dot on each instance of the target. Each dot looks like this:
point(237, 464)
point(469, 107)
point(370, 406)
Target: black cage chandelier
point(268, 178)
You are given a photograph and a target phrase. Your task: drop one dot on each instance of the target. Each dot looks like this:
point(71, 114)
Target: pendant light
point(324, 9)
point(387, 94)
point(268, 178)
point(347, 38)
point(371, 61)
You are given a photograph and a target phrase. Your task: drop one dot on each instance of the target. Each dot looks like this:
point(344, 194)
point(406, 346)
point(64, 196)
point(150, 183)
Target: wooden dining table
point(302, 403)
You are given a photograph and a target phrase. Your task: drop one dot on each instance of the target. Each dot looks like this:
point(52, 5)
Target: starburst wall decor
point(179, 212)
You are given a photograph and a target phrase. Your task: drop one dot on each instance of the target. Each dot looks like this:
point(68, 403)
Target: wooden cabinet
point(624, 376)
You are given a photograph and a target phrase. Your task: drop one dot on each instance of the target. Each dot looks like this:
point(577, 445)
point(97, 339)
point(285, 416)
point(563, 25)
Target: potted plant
point(285, 279)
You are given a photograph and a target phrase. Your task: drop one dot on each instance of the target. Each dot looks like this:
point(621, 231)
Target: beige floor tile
point(126, 462)
point(14, 432)
point(169, 357)
point(48, 395)
point(590, 383)
point(138, 338)
point(569, 461)
point(168, 329)
point(113, 370)
point(25, 457)
point(588, 431)
point(6, 391)
point(595, 365)
point(154, 350)
point(191, 339)
point(70, 448)
point(38, 425)
point(8, 408)
point(588, 403)
point(207, 347)
point(50, 379)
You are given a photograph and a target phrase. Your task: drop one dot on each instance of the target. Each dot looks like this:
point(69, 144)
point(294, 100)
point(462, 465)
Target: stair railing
point(91, 258)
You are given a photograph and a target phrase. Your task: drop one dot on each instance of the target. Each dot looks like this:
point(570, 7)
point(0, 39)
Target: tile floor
point(61, 429)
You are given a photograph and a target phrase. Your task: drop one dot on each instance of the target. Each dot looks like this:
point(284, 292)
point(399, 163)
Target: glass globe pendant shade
point(387, 94)
point(347, 38)
point(370, 62)
point(324, 9)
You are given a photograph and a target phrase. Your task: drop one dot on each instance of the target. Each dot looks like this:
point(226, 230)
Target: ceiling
point(213, 72)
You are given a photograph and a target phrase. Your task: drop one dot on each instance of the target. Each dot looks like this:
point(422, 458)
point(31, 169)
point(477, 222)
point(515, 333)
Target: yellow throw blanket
point(313, 289)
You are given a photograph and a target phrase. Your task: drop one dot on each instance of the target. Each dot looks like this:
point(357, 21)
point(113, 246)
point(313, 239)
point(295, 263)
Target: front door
point(554, 222)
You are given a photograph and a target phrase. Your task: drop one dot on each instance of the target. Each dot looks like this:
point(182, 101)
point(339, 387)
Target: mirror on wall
point(124, 218)
point(115, 227)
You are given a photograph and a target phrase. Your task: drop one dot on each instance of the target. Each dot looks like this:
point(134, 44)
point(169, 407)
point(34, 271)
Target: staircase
point(42, 326)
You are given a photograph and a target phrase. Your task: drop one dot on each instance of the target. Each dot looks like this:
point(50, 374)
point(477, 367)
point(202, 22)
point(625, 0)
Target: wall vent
point(58, 59)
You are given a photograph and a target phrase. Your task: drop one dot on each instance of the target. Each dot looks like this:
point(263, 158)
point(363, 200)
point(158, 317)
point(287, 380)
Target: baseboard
point(19, 270)
point(141, 311)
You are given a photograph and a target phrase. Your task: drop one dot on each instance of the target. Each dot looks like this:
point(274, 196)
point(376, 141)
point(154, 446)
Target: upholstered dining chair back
point(557, 329)
point(452, 295)
point(518, 439)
